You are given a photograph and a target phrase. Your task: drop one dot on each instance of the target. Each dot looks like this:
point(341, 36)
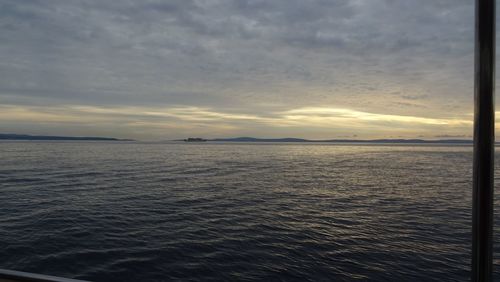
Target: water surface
point(111, 211)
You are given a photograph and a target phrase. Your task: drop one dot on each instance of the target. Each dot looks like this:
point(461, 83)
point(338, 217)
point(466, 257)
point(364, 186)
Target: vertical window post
point(484, 142)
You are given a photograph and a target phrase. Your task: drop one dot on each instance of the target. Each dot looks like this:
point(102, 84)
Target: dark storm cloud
point(250, 57)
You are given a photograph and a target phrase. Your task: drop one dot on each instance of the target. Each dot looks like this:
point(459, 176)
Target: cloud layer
point(170, 69)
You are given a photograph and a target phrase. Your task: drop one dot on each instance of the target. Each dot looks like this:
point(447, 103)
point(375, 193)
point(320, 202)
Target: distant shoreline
point(56, 138)
point(28, 137)
point(379, 141)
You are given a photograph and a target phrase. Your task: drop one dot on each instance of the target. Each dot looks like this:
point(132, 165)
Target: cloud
point(246, 59)
point(335, 114)
point(187, 119)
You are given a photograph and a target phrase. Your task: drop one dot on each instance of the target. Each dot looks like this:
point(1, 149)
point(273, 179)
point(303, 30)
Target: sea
point(175, 211)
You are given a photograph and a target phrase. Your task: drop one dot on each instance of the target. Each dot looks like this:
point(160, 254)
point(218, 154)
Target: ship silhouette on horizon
point(197, 139)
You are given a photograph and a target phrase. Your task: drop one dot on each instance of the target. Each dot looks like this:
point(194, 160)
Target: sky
point(160, 70)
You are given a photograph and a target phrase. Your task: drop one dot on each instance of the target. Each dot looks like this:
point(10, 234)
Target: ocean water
point(112, 211)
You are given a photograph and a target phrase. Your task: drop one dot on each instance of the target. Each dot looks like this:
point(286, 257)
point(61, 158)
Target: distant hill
point(42, 137)
point(251, 139)
point(400, 141)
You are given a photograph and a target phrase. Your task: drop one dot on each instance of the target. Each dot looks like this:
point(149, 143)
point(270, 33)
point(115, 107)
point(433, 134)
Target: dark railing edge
point(15, 275)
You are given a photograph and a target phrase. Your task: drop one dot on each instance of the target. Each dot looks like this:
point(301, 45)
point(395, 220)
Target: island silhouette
point(301, 140)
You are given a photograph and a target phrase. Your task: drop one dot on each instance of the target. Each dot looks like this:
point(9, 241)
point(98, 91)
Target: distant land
point(407, 141)
point(240, 139)
point(68, 138)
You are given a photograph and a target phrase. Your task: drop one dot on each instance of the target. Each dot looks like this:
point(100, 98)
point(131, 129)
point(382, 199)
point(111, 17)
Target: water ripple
point(215, 212)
